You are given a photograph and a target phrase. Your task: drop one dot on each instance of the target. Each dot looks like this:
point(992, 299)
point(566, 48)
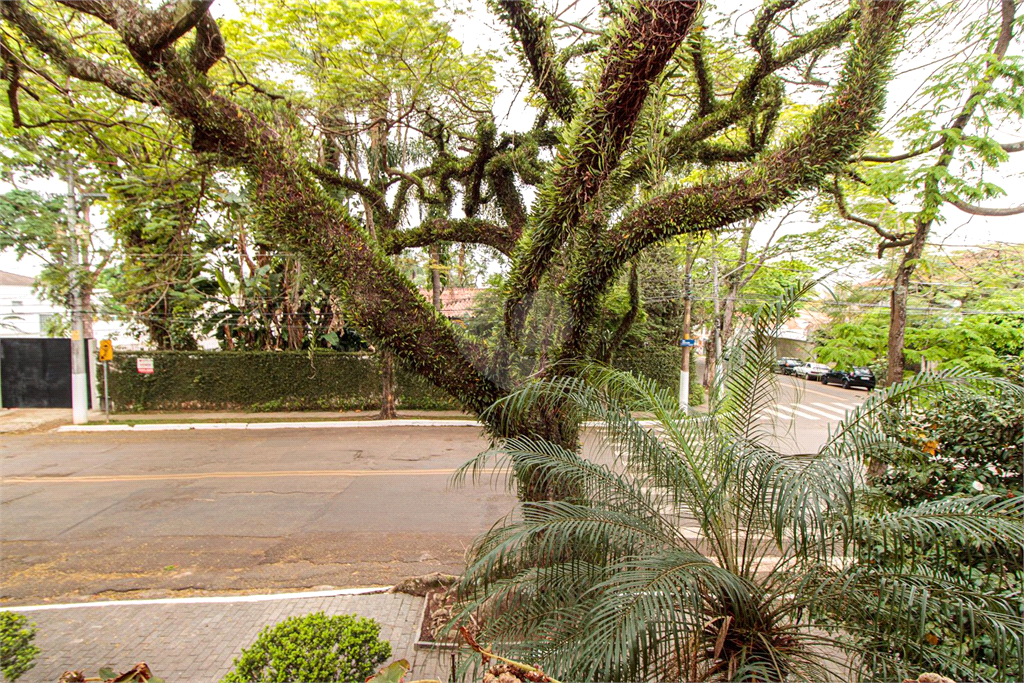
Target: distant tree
point(950, 134)
point(35, 224)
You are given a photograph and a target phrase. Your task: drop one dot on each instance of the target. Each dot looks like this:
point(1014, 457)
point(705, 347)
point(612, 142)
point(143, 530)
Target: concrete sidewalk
point(35, 420)
point(184, 641)
point(16, 420)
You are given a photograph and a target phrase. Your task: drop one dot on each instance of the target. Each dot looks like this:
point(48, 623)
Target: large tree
point(587, 154)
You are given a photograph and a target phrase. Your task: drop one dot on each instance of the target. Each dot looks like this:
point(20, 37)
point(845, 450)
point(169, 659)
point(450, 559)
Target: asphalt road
point(806, 410)
point(157, 514)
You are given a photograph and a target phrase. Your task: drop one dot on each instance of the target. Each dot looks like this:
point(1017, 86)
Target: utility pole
point(684, 368)
point(717, 332)
point(79, 362)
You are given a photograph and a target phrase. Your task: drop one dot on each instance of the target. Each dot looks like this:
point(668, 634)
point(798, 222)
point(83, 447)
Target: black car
point(786, 366)
point(858, 377)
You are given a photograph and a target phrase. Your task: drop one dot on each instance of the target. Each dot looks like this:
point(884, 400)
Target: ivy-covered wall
point(261, 381)
point(294, 380)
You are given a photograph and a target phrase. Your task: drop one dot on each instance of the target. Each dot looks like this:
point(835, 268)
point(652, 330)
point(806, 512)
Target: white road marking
point(200, 600)
point(806, 416)
point(816, 411)
point(841, 408)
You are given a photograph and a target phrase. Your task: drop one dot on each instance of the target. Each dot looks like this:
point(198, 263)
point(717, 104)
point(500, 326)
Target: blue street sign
point(688, 342)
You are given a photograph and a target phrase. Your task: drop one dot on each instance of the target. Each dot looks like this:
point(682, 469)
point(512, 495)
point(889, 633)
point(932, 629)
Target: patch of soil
point(438, 612)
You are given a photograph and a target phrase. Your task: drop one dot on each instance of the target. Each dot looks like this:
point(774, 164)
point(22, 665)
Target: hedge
point(658, 363)
point(295, 380)
point(261, 381)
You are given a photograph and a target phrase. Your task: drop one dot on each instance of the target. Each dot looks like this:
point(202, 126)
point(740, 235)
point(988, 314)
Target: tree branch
point(371, 194)
point(705, 83)
point(680, 146)
point(646, 39)
point(121, 82)
point(837, 192)
point(169, 22)
point(1009, 148)
point(975, 210)
point(208, 47)
point(534, 36)
point(831, 135)
point(464, 230)
point(899, 157)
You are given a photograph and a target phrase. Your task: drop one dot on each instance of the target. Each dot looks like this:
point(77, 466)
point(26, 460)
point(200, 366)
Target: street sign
point(687, 342)
point(144, 365)
point(106, 351)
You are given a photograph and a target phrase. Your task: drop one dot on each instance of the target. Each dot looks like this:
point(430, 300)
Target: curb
point(339, 592)
point(347, 424)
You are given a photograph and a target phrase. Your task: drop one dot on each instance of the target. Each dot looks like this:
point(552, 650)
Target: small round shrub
point(16, 649)
point(315, 647)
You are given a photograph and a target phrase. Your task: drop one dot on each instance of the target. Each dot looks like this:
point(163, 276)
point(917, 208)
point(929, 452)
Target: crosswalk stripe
point(841, 408)
point(806, 416)
point(816, 411)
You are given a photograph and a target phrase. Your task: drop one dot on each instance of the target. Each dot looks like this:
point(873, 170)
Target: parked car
point(858, 377)
point(811, 371)
point(786, 366)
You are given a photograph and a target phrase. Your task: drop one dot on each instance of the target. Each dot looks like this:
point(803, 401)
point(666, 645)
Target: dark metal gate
point(35, 373)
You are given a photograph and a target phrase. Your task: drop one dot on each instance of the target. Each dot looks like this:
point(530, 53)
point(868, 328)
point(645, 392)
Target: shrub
point(965, 442)
point(16, 649)
point(313, 648)
point(696, 390)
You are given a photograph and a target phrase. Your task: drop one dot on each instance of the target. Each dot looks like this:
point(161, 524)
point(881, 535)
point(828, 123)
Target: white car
point(811, 370)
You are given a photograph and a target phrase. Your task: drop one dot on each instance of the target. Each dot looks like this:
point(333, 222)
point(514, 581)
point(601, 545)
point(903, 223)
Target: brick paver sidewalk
point(185, 642)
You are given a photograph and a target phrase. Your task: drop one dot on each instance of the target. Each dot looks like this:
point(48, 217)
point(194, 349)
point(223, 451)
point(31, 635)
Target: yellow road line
point(93, 479)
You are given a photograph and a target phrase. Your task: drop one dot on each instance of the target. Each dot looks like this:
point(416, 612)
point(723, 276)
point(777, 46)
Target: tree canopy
point(358, 129)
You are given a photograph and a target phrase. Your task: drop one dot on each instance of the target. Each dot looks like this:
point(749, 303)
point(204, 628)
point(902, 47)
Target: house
point(456, 302)
point(24, 313)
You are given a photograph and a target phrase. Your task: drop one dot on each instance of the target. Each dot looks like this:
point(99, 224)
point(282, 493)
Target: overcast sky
point(479, 30)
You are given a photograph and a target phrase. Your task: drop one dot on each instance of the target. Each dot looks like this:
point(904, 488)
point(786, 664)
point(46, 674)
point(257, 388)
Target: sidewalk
point(188, 641)
point(15, 420)
point(277, 416)
point(24, 420)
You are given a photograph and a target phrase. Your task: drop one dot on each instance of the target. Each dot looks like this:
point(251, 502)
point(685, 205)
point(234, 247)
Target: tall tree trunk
point(388, 386)
point(897, 360)
point(435, 276)
point(729, 311)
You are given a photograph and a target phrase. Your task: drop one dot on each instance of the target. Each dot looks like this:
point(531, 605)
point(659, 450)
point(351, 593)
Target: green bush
point(657, 363)
point(963, 445)
point(697, 394)
point(313, 648)
point(16, 649)
point(965, 442)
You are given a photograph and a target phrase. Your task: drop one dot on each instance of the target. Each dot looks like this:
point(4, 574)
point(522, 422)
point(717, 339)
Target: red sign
point(144, 365)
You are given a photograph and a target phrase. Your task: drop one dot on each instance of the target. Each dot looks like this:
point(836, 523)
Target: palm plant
point(697, 551)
